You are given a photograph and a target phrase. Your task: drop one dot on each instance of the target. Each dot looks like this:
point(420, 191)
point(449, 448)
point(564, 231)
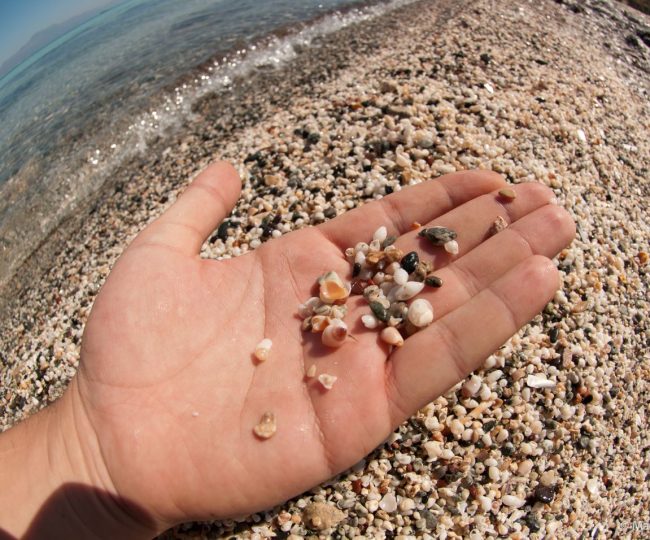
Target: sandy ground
point(552, 92)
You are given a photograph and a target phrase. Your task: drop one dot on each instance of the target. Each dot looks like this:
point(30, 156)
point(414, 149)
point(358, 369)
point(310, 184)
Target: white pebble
point(494, 376)
point(525, 467)
point(420, 313)
point(400, 276)
point(494, 474)
point(433, 449)
point(311, 372)
point(327, 380)
point(581, 136)
point(472, 386)
point(408, 291)
point(388, 503)
point(451, 247)
point(392, 336)
point(592, 486)
point(485, 502)
point(369, 321)
point(360, 257)
point(512, 501)
point(539, 381)
point(263, 349)
point(392, 268)
point(406, 505)
point(380, 234)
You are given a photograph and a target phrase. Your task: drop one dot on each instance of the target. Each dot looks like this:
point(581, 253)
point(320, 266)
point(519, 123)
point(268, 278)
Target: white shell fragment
point(266, 427)
point(369, 321)
point(392, 336)
point(408, 291)
point(263, 349)
point(327, 380)
point(538, 381)
point(400, 276)
point(451, 247)
point(380, 234)
point(311, 372)
point(335, 333)
point(512, 501)
point(420, 313)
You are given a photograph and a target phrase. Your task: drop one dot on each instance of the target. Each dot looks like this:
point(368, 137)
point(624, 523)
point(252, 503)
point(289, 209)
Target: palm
point(167, 370)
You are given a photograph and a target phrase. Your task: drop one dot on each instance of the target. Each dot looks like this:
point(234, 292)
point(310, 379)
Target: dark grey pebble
point(438, 236)
point(544, 494)
point(379, 311)
point(433, 281)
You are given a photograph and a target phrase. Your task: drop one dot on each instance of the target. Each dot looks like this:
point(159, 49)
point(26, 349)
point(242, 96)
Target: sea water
point(78, 107)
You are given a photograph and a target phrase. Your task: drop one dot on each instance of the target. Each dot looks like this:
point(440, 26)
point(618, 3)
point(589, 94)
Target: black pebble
point(410, 262)
point(356, 269)
point(544, 494)
point(554, 334)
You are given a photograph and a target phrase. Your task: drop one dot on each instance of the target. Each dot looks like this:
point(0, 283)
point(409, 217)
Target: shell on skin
point(400, 276)
point(311, 372)
point(369, 321)
point(380, 234)
point(420, 313)
point(392, 336)
point(319, 323)
point(407, 291)
point(335, 333)
point(332, 288)
point(307, 309)
point(263, 349)
point(266, 427)
point(327, 380)
point(451, 247)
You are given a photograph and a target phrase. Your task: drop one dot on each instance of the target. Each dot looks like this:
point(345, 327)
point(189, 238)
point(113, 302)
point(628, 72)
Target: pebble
point(438, 236)
point(370, 321)
point(512, 501)
point(311, 372)
point(451, 247)
point(410, 262)
point(544, 494)
point(408, 291)
point(263, 349)
point(472, 386)
point(392, 336)
point(380, 234)
point(335, 333)
point(420, 313)
point(388, 503)
point(508, 194)
point(327, 380)
point(539, 381)
point(321, 516)
point(499, 225)
point(400, 276)
point(266, 427)
point(433, 281)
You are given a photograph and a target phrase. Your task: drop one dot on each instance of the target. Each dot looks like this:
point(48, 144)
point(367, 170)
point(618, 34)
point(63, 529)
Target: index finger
point(421, 203)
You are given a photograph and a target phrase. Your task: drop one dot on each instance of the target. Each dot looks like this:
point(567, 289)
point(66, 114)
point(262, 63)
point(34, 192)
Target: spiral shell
point(335, 333)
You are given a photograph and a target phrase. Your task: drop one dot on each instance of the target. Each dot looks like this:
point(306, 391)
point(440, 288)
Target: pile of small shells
point(388, 278)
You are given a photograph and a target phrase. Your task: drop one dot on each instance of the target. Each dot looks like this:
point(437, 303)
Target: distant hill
point(48, 35)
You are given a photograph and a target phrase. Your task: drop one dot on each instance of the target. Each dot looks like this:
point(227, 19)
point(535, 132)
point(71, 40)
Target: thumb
point(206, 202)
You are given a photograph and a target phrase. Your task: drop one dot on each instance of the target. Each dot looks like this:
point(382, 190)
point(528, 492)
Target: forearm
point(53, 485)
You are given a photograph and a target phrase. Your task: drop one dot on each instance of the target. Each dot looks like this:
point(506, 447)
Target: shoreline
point(517, 88)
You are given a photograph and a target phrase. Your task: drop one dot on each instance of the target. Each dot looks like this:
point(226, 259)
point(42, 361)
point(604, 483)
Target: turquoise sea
point(97, 95)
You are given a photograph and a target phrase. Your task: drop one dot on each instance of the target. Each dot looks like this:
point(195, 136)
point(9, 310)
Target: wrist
point(55, 483)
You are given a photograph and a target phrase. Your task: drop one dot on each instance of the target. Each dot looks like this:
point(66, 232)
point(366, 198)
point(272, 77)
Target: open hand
point(171, 389)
